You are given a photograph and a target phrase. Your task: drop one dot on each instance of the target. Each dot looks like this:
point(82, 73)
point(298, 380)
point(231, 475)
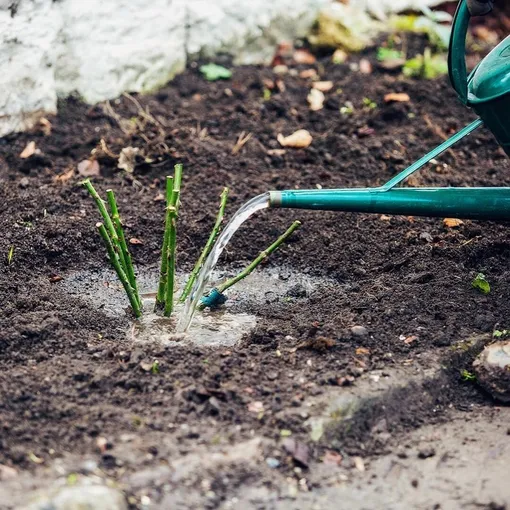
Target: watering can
point(487, 91)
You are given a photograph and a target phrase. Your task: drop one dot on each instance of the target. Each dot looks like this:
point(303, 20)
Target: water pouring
point(486, 90)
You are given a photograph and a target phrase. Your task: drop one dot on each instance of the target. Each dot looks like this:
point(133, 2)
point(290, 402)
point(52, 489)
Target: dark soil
point(68, 373)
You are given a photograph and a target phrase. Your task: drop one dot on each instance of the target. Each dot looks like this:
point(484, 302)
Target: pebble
point(272, 462)
point(359, 331)
point(426, 453)
point(492, 369)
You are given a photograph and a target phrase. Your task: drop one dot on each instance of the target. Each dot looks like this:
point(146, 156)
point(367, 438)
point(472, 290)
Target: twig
point(160, 297)
point(122, 243)
point(171, 225)
point(114, 260)
point(207, 248)
point(217, 292)
point(242, 140)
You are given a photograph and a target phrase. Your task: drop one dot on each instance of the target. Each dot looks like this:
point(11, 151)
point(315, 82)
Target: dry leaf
point(45, 126)
point(88, 168)
point(65, 176)
point(332, 458)
point(361, 351)
point(304, 57)
point(300, 139)
point(29, 150)
point(365, 67)
point(339, 57)
point(316, 100)
point(256, 407)
point(452, 222)
point(159, 198)
point(308, 73)
point(397, 97)
point(127, 159)
point(410, 339)
point(134, 240)
point(323, 86)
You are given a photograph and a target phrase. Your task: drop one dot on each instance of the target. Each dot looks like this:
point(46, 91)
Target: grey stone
point(492, 369)
point(359, 331)
point(79, 497)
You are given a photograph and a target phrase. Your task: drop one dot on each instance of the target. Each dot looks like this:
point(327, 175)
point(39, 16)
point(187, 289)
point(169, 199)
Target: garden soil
point(73, 386)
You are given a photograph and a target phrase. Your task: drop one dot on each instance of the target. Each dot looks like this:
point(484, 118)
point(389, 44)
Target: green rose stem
point(115, 262)
point(220, 289)
point(207, 248)
point(128, 267)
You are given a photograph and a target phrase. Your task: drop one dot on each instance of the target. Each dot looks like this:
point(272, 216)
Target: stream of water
point(248, 209)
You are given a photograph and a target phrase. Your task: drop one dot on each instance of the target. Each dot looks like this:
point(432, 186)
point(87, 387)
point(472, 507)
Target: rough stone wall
point(101, 48)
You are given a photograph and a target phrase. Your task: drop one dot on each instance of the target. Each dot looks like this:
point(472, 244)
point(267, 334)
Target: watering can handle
point(457, 52)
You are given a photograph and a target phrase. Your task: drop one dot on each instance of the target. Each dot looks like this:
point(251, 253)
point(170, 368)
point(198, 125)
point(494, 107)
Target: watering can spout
point(471, 203)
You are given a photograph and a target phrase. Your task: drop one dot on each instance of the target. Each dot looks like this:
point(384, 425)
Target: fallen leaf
point(127, 159)
point(276, 152)
point(339, 56)
point(88, 168)
point(300, 139)
point(359, 464)
point(410, 339)
point(65, 176)
point(362, 351)
point(397, 97)
point(158, 198)
point(45, 126)
point(303, 56)
point(298, 450)
point(323, 86)
point(452, 222)
point(365, 67)
point(316, 100)
point(308, 73)
point(256, 407)
point(332, 458)
point(134, 240)
point(29, 150)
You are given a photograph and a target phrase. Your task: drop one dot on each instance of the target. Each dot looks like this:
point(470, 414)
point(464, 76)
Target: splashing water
point(248, 209)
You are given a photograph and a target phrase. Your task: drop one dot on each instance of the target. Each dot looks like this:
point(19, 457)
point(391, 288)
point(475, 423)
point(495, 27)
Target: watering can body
point(487, 89)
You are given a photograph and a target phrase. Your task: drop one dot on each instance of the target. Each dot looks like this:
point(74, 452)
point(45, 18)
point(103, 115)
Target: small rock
point(272, 462)
point(426, 453)
point(492, 369)
point(359, 331)
point(24, 182)
point(80, 497)
point(272, 376)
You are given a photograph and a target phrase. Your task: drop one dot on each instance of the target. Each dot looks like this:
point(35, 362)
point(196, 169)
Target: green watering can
point(487, 91)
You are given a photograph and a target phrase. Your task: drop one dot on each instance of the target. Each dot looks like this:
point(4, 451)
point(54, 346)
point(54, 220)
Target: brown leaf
point(299, 451)
point(65, 176)
point(397, 97)
point(56, 278)
point(45, 126)
point(316, 100)
point(127, 159)
point(365, 67)
point(323, 86)
point(362, 351)
point(300, 139)
point(332, 458)
point(303, 56)
point(256, 407)
point(134, 240)
point(88, 168)
point(452, 222)
point(308, 73)
point(29, 150)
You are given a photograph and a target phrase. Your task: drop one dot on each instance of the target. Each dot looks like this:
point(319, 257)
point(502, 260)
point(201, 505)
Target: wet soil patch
point(67, 373)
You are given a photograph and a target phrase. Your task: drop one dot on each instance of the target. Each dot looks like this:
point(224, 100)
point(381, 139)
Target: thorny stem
point(160, 297)
point(114, 260)
point(207, 248)
point(260, 258)
point(171, 226)
point(128, 267)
